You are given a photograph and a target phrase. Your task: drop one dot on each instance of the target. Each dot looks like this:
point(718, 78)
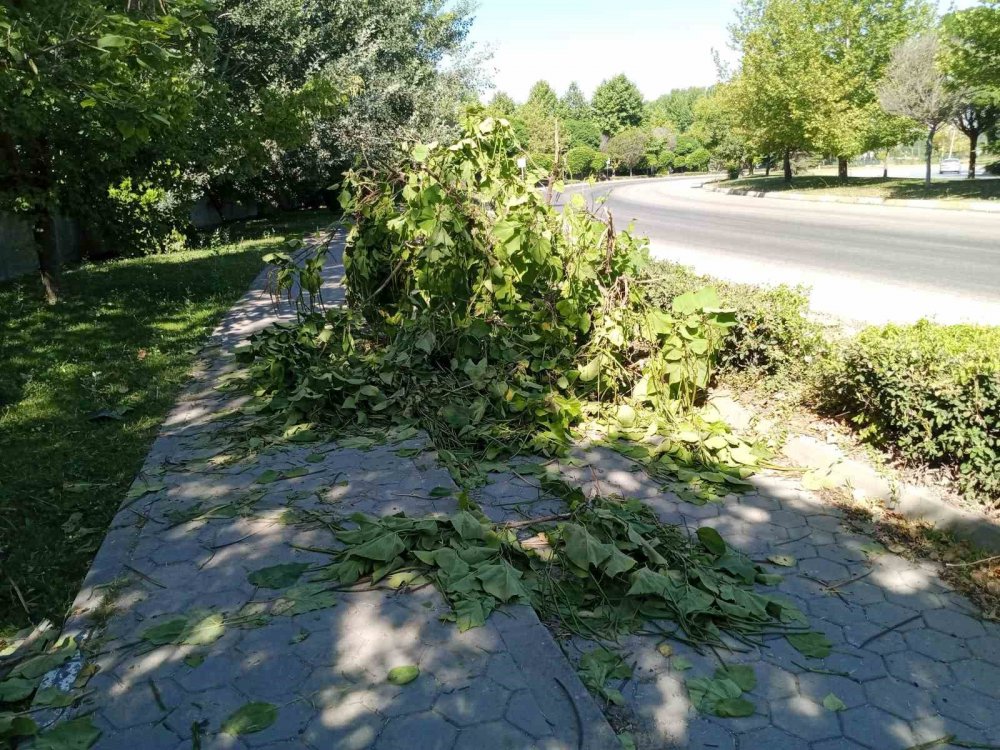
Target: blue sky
point(659, 44)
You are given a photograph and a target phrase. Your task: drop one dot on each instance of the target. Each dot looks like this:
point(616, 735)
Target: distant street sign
point(522, 162)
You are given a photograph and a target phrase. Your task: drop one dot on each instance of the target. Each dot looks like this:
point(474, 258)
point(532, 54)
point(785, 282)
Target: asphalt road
point(866, 263)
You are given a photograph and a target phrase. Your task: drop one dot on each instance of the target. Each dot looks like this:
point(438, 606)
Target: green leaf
point(382, 548)
point(168, 631)
point(53, 697)
point(733, 708)
point(195, 660)
point(268, 476)
point(472, 613)
point(14, 725)
point(786, 561)
point(681, 663)
point(38, 666)
point(501, 581)
point(307, 597)
point(582, 549)
point(17, 688)
point(403, 675)
point(814, 645)
point(468, 526)
point(420, 153)
point(832, 703)
point(647, 583)
point(204, 631)
point(112, 41)
point(79, 734)
point(250, 718)
point(591, 370)
point(627, 741)
point(742, 674)
point(441, 492)
point(278, 576)
point(712, 540)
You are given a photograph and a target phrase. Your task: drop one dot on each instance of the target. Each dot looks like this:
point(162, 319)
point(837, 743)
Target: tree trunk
point(767, 166)
point(842, 168)
point(48, 254)
point(973, 142)
point(885, 166)
point(928, 152)
point(787, 163)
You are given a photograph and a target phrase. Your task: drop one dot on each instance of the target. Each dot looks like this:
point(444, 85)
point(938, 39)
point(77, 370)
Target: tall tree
point(543, 99)
point(676, 107)
point(978, 114)
point(617, 105)
point(574, 103)
point(501, 105)
point(91, 92)
point(915, 87)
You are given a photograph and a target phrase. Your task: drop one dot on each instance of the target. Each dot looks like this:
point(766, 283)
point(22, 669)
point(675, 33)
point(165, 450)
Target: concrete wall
point(17, 245)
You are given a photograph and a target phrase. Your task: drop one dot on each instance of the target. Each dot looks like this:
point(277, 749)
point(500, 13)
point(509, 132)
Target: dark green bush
point(772, 335)
point(929, 391)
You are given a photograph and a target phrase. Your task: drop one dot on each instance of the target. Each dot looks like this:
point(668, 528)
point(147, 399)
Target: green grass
point(875, 187)
point(123, 338)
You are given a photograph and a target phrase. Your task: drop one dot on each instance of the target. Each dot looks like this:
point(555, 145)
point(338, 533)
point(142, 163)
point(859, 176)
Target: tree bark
point(929, 151)
point(842, 168)
point(788, 165)
point(48, 254)
point(973, 142)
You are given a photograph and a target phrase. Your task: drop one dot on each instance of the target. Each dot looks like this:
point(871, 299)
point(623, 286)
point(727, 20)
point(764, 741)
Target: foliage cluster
point(606, 571)
point(930, 392)
point(479, 313)
point(123, 113)
point(773, 334)
point(651, 137)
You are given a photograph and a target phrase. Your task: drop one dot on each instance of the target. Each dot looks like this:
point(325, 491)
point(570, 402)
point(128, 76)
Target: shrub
point(141, 219)
point(993, 167)
point(579, 160)
point(930, 391)
point(600, 162)
point(772, 334)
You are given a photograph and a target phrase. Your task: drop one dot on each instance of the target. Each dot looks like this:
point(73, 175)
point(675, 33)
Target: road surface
point(864, 263)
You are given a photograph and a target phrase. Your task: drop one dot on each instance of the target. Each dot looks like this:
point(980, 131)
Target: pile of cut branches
point(482, 315)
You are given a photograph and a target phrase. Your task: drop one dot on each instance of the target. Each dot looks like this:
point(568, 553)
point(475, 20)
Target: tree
point(675, 108)
point(972, 39)
point(542, 98)
point(579, 160)
point(91, 95)
point(972, 60)
point(501, 105)
point(977, 114)
point(583, 133)
point(715, 126)
point(628, 148)
point(574, 104)
point(915, 87)
point(617, 105)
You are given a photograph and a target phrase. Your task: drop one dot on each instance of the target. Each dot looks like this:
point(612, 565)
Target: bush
point(993, 168)
point(932, 392)
point(580, 160)
point(140, 220)
point(600, 162)
point(772, 335)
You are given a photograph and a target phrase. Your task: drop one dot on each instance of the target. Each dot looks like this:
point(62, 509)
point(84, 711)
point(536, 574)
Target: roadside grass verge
point(874, 187)
point(120, 343)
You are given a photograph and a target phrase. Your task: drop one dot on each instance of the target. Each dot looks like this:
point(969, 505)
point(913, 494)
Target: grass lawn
point(875, 187)
point(123, 339)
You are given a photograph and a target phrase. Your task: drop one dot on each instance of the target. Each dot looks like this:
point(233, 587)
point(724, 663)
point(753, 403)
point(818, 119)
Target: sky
point(659, 44)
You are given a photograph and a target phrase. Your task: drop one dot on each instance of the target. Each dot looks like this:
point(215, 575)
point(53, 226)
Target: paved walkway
point(913, 662)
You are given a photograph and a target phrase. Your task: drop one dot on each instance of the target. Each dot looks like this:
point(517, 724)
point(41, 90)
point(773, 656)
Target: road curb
point(980, 206)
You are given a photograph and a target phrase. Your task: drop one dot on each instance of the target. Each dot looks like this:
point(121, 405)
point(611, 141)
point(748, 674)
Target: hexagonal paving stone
point(918, 670)
point(497, 735)
point(899, 698)
point(938, 645)
point(138, 704)
point(274, 674)
point(817, 686)
point(504, 671)
point(876, 729)
point(524, 713)
point(347, 727)
point(483, 700)
point(805, 719)
point(978, 675)
point(772, 738)
point(155, 737)
point(967, 706)
point(426, 730)
point(954, 623)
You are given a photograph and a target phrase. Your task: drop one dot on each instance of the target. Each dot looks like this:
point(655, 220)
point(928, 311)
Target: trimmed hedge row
point(930, 392)
point(773, 334)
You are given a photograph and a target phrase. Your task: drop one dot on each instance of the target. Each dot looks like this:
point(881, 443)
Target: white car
point(950, 165)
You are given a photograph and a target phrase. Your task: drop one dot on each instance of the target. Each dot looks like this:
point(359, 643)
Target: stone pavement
point(912, 661)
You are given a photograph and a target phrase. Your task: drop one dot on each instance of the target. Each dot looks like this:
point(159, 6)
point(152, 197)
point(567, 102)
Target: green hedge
point(931, 392)
point(773, 335)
